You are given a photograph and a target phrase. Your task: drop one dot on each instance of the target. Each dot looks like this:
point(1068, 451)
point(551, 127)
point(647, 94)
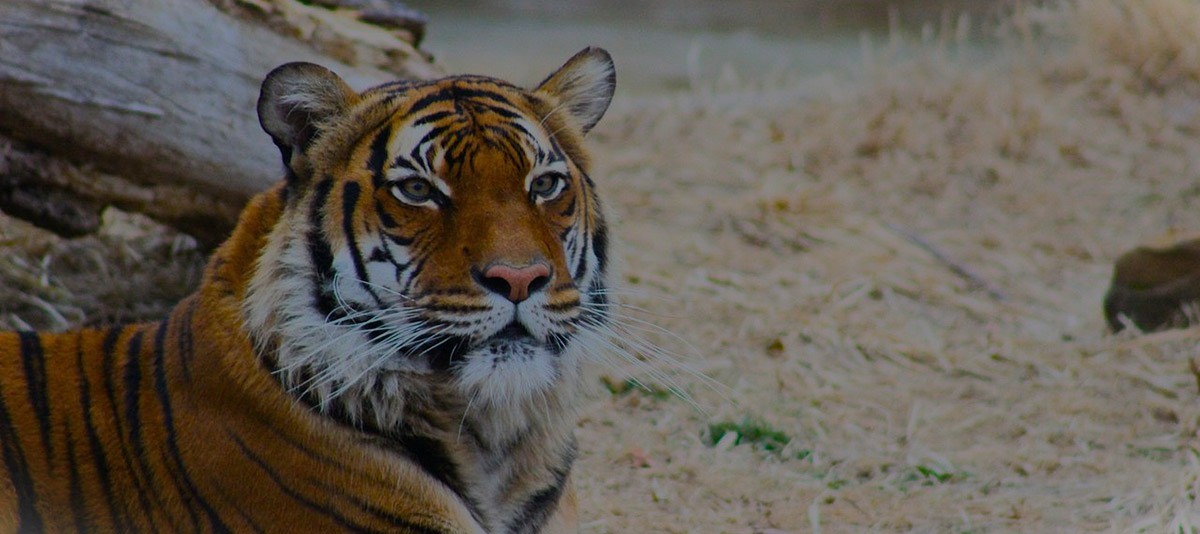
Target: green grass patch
point(1157, 454)
point(923, 475)
point(753, 432)
point(837, 484)
point(620, 388)
point(934, 474)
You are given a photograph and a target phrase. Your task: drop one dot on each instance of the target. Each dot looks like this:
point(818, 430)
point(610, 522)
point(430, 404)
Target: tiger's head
point(437, 234)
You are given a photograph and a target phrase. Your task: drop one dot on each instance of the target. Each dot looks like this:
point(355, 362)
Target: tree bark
point(150, 104)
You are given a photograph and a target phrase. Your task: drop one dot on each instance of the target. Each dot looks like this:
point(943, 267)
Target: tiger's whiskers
point(620, 334)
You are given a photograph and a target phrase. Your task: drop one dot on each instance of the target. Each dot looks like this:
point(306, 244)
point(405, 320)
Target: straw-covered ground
point(892, 280)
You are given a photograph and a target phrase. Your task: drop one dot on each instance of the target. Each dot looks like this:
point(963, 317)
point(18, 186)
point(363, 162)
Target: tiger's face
point(441, 230)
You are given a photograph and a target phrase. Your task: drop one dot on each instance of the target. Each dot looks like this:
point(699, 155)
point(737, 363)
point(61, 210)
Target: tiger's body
point(390, 341)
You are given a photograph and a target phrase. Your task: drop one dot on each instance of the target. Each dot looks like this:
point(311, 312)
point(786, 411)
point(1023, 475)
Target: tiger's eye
point(544, 185)
point(414, 189)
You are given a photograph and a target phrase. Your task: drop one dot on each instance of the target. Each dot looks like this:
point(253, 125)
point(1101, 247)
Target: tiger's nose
point(515, 283)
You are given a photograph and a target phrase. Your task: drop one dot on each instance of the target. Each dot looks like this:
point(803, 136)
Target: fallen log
point(149, 105)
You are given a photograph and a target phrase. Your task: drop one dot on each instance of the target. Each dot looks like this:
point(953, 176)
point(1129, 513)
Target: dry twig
point(963, 271)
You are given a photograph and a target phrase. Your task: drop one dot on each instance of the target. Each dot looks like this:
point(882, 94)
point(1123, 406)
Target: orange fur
point(188, 423)
point(220, 401)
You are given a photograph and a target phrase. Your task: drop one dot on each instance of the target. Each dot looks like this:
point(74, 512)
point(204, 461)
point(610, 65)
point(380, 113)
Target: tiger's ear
point(583, 87)
point(297, 100)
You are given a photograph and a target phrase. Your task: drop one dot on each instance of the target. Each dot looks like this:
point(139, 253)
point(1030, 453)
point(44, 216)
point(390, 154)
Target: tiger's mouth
point(515, 339)
point(515, 331)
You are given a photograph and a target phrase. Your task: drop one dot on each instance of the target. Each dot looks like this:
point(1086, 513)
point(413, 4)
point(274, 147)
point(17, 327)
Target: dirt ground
point(870, 302)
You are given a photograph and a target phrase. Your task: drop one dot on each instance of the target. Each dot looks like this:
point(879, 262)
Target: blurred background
point(669, 44)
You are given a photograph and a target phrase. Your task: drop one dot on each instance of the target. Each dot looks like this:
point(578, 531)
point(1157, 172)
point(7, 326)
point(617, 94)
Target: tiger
point(391, 339)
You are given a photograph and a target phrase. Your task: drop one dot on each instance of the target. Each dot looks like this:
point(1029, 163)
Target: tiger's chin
point(512, 367)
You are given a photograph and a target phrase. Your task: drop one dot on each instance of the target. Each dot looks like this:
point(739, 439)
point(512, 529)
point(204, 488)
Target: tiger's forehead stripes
point(447, 135)
point(431, 128)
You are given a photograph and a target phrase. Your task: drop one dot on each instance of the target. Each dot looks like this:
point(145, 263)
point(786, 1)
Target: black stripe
point(415, 155)
point(434, 132)
point(186, 354)
point(431, 341)
point(319, 251)
point(483, 96)
point(395, 87)
point(565, 235)
point(110, 388)
point(428, 454)
point(558, 345)
point(539, 152)
point(376, 330)
point(539, 507)
point(398, 240)
point(28, 517)
point(441, 351)
point(403, 163)
point(133, 392)
point(329, 489)
point(456, 308)
point(132, 377)
point(486, 81)
point(160, 340)
point(434, 116)
point(34, 360)
point(338, 518)
point(372, 509)
point(428, 100)
point(378, 158)
point(452, 151)
point(598, 294)
point(581, 265)
point(600, 246)
point(452, 291)
point(350, 193)
point(433, 458)
point(99, 459)
point(541, 504)
point(330, 461)
point(386, 220)
point(506, 143)
point(133, 389)
point(387, 256)
point(418, 266)
point(178, 471)
point(557, 152)
point(232, 503)
point(516, 149)
point(570, 209)
point(503, 133)
point(75, 488)
point(506, 113)
point(459, 91)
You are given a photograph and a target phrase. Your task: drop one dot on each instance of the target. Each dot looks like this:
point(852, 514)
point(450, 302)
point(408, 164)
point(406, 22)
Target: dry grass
point(806, 243)
point(896, 281)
